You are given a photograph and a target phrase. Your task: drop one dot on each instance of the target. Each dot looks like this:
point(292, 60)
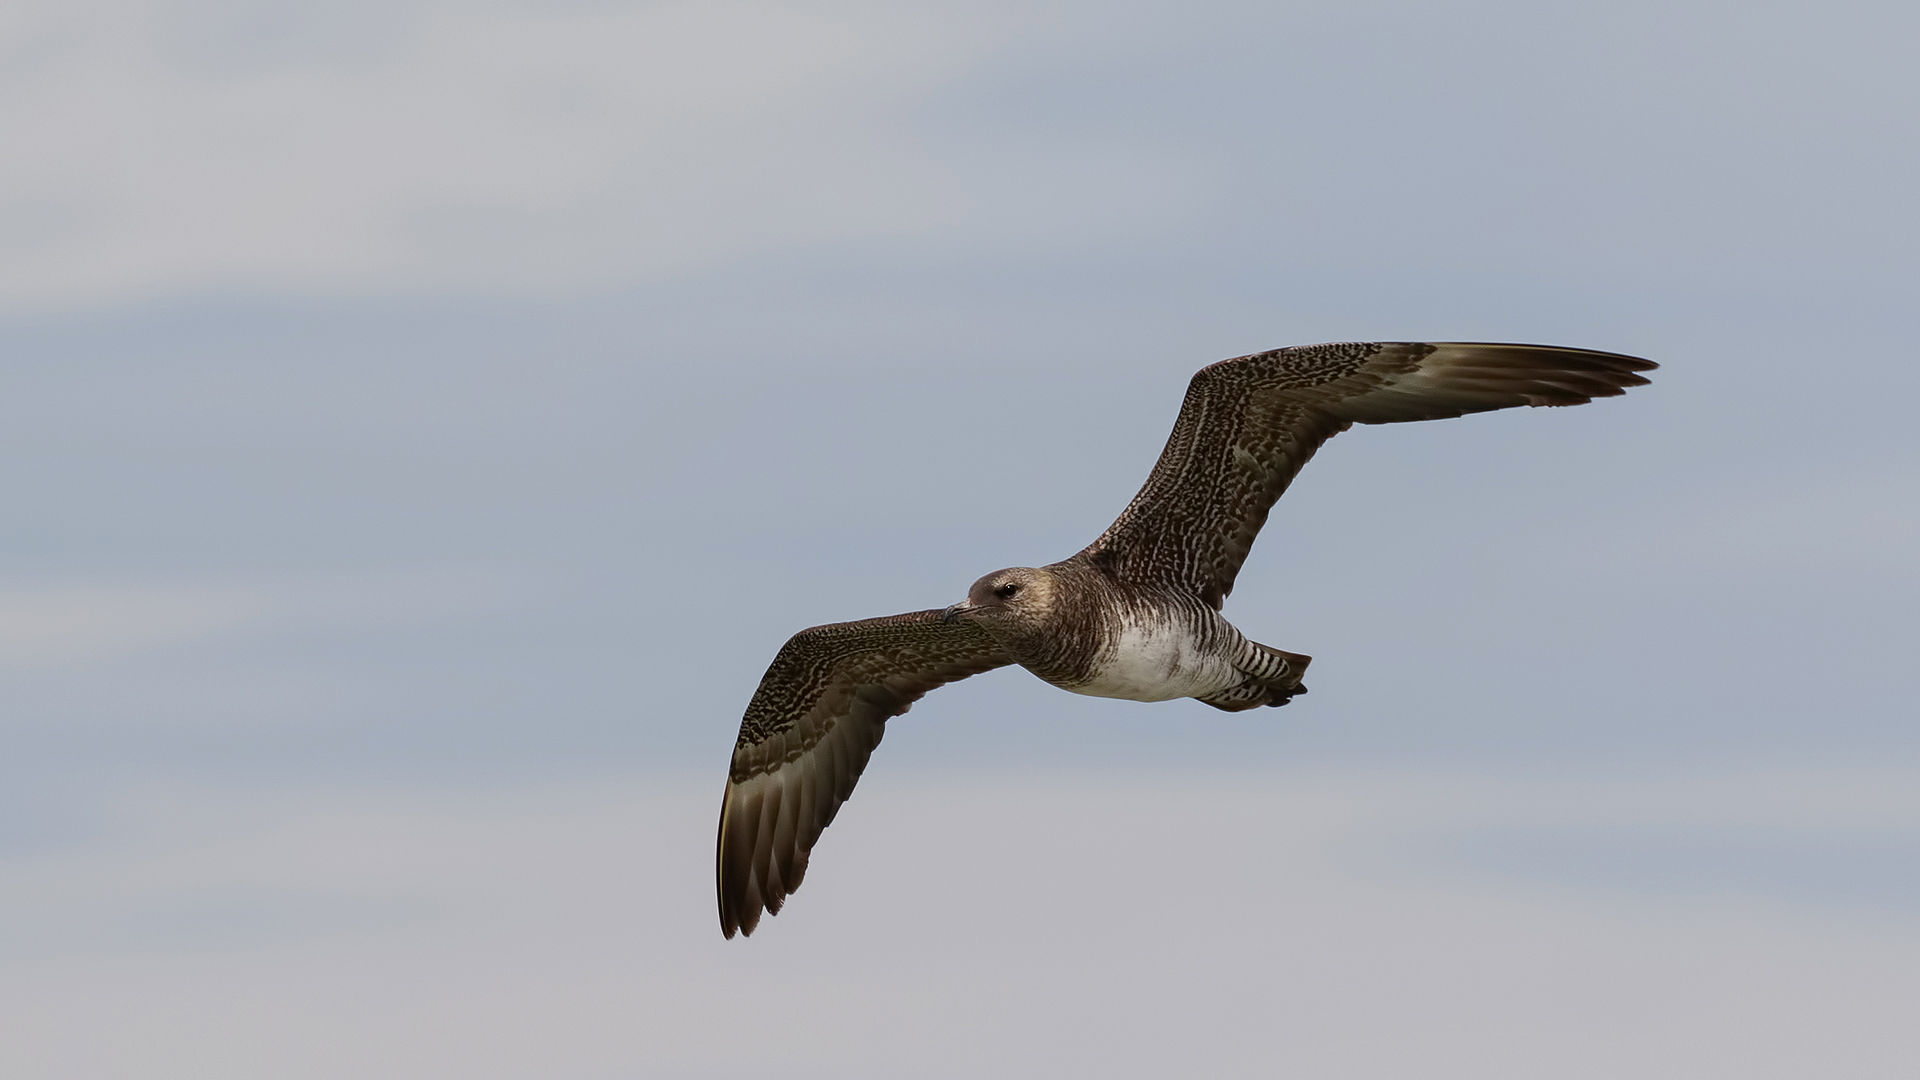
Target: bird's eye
point(1006, 591)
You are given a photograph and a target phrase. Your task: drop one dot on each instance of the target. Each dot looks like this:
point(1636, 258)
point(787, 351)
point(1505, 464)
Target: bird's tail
point(1273, 678)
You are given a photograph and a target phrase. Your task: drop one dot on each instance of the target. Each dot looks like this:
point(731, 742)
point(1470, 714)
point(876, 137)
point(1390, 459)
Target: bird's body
point(1156, 652)
point(1136, 615)
point(1087, 632)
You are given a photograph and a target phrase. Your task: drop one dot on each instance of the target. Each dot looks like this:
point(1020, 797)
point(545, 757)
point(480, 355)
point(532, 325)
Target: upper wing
point(820, 710)
point(1249, 424)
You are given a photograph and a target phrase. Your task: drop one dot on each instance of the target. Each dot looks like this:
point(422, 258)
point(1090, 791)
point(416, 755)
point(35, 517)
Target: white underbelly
point(1158, 663)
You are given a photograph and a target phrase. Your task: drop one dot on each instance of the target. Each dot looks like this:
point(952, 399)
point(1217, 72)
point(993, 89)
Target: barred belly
point(1154, 660)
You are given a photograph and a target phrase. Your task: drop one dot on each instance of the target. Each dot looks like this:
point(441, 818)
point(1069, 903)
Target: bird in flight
point(1136, 615)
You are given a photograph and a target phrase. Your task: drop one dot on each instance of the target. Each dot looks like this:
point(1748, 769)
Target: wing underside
point(818, 714)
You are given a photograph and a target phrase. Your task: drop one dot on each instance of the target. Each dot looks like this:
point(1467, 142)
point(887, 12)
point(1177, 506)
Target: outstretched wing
point(820, 710)
point(1249, 424)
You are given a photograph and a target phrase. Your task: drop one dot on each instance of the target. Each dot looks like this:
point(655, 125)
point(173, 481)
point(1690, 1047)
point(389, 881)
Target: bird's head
point(1008, 601)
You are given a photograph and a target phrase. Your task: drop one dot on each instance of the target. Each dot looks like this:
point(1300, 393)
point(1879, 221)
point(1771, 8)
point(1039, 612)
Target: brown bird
point(1136, 615)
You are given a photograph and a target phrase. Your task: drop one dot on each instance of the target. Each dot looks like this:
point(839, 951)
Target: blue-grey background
point(421, 424)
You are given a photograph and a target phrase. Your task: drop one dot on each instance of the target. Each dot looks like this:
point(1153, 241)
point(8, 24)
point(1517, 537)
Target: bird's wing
point(1249, 424)
point(820, 710)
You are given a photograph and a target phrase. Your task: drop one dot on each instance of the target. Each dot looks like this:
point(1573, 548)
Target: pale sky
point(423, 422)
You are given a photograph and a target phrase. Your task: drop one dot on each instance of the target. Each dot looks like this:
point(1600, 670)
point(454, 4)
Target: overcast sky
point(423, 422)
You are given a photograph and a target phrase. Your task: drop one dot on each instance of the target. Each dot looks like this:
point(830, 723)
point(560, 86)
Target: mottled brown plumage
point(1249, 424)
point(1135, 614)
point(820, 710)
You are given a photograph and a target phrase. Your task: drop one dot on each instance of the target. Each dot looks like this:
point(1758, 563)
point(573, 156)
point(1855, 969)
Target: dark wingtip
point(730, 920)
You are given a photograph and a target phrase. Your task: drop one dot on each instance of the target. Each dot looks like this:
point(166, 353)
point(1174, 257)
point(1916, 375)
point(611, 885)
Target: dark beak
point(955, 611)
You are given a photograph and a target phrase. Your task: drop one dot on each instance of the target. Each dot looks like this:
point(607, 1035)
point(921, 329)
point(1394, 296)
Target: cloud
point(162, 147)
point(167, 148)
point(71, 626)
point(1230, 923)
